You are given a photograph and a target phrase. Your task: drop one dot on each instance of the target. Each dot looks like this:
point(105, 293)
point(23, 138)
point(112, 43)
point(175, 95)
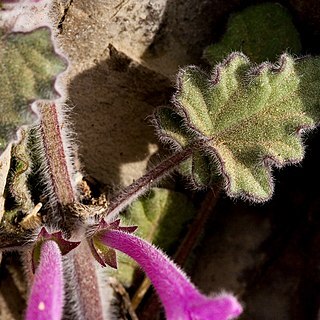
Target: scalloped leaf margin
point(28, 69)
point(242, 120)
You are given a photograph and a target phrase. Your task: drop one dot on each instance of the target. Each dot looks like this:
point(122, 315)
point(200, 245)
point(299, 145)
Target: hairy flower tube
point(47, 293)
point(180, 298)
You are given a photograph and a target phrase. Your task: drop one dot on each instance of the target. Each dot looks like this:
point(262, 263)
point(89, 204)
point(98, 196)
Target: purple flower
point(47, 293)
point(180, 298)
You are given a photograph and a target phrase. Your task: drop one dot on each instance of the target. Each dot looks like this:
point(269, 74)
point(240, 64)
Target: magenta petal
point(181, 300)
point(47, 292)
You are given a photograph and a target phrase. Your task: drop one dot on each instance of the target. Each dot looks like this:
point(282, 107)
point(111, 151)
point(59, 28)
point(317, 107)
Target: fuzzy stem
point(87, 284)
point(86, 298)
point(180, 298)
point(83, 296)
point(142, 185)
point(55, 154)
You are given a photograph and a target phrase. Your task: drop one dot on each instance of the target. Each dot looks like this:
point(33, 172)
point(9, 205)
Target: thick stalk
point(82, 289)
point(82, 292)
point(55, 154)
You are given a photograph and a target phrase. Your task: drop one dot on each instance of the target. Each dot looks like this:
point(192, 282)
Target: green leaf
point(27, 71)
point(20, 169)
point(243, 119)
point(162, 216)
point(262, 32)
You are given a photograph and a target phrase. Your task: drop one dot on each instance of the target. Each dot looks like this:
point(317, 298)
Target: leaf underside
point(28, 67)
point(242, 120)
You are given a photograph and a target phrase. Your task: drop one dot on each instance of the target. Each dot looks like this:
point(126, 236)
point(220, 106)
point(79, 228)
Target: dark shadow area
point(189, 26)
point(12, 287)
point(112, 102)
point(306, 16)
point(268, 254)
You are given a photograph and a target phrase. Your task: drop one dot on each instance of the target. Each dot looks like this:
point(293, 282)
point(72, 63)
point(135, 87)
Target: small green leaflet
point(242, 119)
point(28, 67)
point(261, 32)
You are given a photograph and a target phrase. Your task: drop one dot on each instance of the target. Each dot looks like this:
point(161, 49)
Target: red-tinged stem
point(83, 300)
point(143, 184)
point(55, 154)
point(197, 226)
point(82, 289)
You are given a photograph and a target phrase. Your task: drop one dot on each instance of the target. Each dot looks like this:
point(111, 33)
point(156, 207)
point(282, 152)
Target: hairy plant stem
point(142, 185)
point(55, 154)
point(83, 293)
point(82, 289)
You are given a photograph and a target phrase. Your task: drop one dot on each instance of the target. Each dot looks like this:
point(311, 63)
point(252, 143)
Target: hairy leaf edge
point(214, 78)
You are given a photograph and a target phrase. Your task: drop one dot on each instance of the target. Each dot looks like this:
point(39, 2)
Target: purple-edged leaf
point(181, 300)
point(242, 119)
point(47, 293)
point(28, 68)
